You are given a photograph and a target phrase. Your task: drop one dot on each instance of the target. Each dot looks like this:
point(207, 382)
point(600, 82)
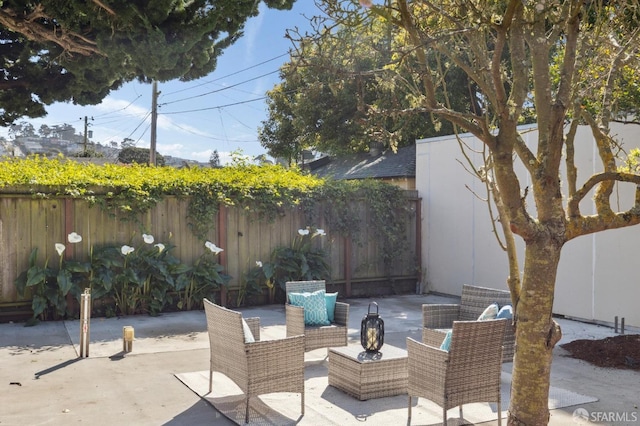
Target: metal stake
point(85, 316)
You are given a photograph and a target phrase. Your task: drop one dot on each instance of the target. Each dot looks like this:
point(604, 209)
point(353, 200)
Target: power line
point(215, 107)
point(212, 137)
point(219, 90)
point(228, 75)
point(118, 110)
point(238, 121)
point(138, 126)
point(223, 106)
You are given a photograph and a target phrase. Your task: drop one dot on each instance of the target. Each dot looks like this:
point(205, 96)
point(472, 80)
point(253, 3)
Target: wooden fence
point(356, 266)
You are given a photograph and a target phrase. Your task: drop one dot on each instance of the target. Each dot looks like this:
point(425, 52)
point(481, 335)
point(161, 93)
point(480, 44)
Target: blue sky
point(221, 117)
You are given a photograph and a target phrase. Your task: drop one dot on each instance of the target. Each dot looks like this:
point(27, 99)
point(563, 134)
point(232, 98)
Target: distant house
point(395, 168)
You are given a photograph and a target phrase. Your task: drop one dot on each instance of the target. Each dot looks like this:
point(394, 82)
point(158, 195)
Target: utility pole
point(86, 127)
point(154, 121)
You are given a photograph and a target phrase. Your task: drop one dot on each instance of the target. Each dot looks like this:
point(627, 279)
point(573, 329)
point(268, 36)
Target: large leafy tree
point(565, 63)
point(78, 51)
point(342, 90)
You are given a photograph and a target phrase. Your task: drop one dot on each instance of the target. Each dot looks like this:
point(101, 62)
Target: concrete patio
point(44, 382)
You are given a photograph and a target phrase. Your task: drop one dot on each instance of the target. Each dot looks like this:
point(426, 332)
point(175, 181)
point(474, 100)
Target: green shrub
point(145, 279)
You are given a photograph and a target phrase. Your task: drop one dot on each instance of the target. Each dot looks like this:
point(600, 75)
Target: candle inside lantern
point(372, 338)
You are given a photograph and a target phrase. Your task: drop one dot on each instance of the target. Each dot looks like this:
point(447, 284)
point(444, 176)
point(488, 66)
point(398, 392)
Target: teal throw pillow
point(331, 299)
point(447, 341)
point(491, 312)
point(315, 306)
point(505, 312)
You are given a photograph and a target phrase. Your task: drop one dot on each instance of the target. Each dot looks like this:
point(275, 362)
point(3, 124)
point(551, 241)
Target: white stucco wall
point(597, 277)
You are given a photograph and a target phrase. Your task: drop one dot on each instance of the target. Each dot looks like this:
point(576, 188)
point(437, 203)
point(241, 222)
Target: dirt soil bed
point(621, 351)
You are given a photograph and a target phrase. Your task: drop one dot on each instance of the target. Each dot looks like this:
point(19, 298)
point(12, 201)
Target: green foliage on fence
point(265, 189)
point(133, 189)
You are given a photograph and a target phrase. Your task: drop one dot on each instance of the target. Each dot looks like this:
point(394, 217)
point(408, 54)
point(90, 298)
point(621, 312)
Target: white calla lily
point(211, 246)
point(148, 238)
point(320, 232)
point(303, 231)
point(258, 264)
point(126, 249)
point(60, 248)
point(160, 247)
point(74, 238)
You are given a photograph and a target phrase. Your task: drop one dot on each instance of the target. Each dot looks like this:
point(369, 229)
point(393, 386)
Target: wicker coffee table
point(367, 375)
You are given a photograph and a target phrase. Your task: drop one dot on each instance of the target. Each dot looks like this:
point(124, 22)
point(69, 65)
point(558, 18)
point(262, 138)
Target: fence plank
point(27, 222)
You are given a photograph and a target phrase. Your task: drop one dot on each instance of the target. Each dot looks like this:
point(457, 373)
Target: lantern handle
point(375, 303)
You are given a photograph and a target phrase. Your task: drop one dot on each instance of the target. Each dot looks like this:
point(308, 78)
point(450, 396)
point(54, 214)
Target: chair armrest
point(254, 326)
point(294, 316)
point(439, 315)
point(426, 366)
point(433, 336)
point(275, 358)
point(342, 314)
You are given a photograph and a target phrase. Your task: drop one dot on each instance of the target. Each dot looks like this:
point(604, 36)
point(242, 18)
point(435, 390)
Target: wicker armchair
point(315, 336)
point(469, 372)
point(438, 318)
point(258, 367)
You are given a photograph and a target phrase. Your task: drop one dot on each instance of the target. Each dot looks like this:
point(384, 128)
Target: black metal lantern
point(372, 331)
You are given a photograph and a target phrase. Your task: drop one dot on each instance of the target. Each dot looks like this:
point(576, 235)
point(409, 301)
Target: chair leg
point(210, 379)
point(302, 402)
point(409, 412)
point(246, 413)
point(444, 416)
point(499, 413)
point(461, 415)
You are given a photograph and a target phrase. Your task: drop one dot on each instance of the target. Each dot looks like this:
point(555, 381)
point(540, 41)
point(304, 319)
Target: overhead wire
point(219, 90)
point(215, 107)
point(221, 106)
point(109, 114)
point(118, 110)
point(227, 75)
point(213, 138)
point(138, 126)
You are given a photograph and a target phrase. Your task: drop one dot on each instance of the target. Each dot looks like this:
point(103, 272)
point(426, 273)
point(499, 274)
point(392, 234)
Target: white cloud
point(175, 150)
point(252, 31)
point(122, 107)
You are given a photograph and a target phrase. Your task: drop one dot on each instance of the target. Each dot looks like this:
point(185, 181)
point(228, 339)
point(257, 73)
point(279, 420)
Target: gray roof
point(364, 165)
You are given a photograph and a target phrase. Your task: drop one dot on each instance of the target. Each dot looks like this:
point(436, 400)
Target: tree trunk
point(536, 335)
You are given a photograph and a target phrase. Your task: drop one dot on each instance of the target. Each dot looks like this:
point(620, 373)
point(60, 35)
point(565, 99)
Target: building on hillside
point(397, 168)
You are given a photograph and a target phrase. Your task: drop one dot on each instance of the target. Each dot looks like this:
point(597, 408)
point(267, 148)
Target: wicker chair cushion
point(315, 306)
point(248, 335)
point(447, 341)
point(505, 312)
point(331, 299)
point(491, 312)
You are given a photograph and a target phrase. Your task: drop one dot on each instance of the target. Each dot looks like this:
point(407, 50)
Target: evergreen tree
point(214, 160)
point(78, 51)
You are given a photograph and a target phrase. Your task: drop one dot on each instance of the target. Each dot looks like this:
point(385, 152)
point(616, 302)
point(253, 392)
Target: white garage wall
point(597, 277)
